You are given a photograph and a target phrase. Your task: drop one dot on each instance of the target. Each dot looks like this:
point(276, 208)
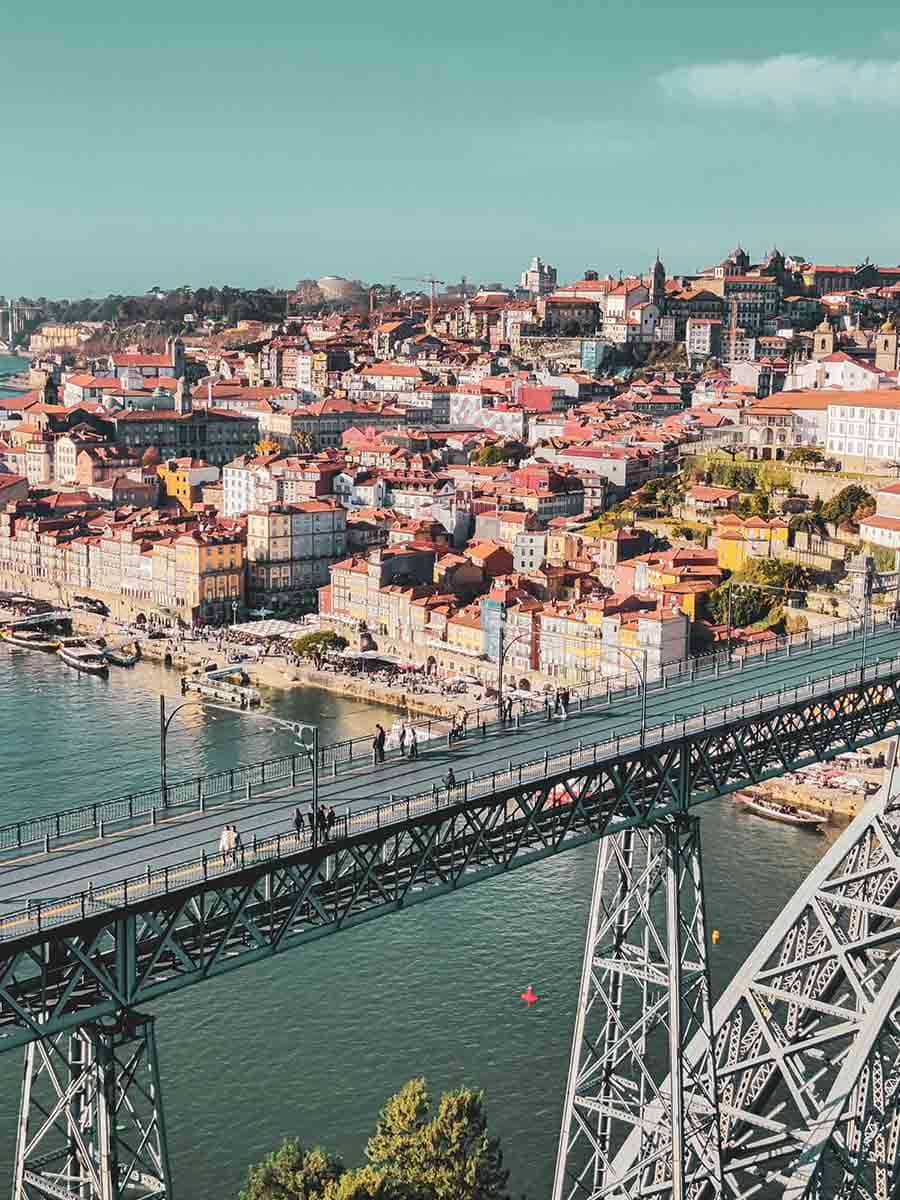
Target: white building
point(865, 424)
point(248, 483)
point(539, 279)
point(883, 528)
point(840, 371)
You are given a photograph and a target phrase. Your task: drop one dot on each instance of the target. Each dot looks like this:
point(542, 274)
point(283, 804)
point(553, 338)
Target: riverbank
point(276, 672)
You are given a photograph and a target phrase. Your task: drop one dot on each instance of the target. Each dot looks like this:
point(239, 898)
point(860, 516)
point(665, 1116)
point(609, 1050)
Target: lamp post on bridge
point(642, 675)
point(504, 649)
point(164, 723)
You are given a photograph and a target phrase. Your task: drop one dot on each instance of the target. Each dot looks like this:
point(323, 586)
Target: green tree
point(448, 1156)
point(312, 644)
point(846, 502)
point(811, 523)
point(292, 1173)
point(365, 1183)
point(489, 456)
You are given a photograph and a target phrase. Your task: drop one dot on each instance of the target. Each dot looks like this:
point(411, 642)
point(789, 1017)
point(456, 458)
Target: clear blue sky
point(166, 143)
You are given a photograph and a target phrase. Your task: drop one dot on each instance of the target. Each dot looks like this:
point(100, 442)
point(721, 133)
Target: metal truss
point(109, 954)
point(644, 997)
point(807, 1036)
point(91, 1125)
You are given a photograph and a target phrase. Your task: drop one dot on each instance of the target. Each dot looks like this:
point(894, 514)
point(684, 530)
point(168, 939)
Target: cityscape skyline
point(204, 146)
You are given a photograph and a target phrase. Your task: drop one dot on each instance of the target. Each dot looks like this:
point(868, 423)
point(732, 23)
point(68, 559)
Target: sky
point(226, 143)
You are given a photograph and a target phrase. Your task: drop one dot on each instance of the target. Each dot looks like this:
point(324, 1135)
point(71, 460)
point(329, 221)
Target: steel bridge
point(789, 1088)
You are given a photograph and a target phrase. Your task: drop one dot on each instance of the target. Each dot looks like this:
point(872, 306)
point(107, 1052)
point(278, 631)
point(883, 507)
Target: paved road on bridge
point(180, 838)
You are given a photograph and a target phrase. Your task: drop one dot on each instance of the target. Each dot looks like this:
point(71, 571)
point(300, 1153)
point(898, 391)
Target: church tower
point(823, 343)
point(658, 284)
point(886, 347)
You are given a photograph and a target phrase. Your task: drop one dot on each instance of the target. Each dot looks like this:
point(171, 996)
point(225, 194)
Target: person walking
point(298, 822)
point(330, 820)
point(378, 744)
point(236, 844)
point(323, 825)
point(403, 740)
point(450, 780)
point(413, 743)
point(225, 844)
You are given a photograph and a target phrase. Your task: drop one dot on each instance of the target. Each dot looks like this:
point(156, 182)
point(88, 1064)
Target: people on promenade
point(413, 743)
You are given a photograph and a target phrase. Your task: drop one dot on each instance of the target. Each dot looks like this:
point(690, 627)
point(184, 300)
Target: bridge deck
point(177, 839)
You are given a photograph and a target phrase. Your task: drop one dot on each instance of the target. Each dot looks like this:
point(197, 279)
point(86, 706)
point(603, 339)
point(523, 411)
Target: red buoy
point(530, 996)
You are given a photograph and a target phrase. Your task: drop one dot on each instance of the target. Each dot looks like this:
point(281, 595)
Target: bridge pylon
point(644, 996)
point(91, 1124)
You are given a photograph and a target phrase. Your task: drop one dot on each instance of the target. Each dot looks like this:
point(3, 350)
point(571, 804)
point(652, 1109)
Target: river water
point(8, 364)
point(313, 1043)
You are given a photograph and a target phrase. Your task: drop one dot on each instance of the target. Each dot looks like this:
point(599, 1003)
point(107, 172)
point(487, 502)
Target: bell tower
point(823, 345)
point(658, 284)
point(886, 347)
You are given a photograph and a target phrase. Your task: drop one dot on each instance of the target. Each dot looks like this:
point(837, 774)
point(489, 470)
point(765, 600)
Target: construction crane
point(434, 282)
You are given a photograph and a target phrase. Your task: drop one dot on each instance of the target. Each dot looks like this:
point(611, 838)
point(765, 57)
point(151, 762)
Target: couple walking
point(229, 844)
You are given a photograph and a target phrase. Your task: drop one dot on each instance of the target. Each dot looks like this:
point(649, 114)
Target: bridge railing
point(138, 889)
point(255, 779)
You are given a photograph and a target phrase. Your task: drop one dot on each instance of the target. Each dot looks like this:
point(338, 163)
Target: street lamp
point(504, 649)
point(164, 723)
point(642, 675)
point(234, 608)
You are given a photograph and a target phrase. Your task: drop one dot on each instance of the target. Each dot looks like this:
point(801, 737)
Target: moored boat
point(30, 639)
point(773, 810)
point(122, 657)
point(81, 655)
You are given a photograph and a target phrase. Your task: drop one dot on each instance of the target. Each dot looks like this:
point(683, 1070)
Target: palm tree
point(812, 524)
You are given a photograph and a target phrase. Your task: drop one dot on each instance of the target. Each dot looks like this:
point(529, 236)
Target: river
point(311, 1044)
point(8, 364)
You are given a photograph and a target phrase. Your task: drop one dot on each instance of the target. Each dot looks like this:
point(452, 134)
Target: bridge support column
point(91, 1124)
point(644, 995)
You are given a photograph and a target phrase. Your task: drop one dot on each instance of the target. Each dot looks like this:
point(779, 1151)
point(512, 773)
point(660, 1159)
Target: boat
point(773, 810)
point(30, 639)
point(83, 656)
point(121, 658)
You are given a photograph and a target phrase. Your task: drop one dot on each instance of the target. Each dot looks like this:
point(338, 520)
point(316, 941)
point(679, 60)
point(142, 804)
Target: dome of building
point(335, 287)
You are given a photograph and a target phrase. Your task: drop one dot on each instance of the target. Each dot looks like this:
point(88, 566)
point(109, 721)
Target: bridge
point(107, 908)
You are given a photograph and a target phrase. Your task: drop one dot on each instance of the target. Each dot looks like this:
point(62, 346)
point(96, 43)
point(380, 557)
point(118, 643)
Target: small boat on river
point(30, 639)
point(773, 810)
point(122, 657)
point(77, 653)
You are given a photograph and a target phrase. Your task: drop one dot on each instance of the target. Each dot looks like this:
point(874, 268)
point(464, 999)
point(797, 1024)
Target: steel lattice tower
point(644, 997)
point(91, 1125)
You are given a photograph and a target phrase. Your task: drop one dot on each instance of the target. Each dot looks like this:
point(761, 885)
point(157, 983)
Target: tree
point(312, 645)
point(445, 1157)
point(489, 456)
point(413, 1155)
point(810, 523)
point(846, 502)
point(805, 454)
point(292, 1173)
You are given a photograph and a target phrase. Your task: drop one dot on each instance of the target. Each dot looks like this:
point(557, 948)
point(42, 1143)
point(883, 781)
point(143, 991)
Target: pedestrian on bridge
point(330, 820)
point(413, 743)
point(225, 844)
point(378, 744)
point(451, 780)
point(402, 739)
point(298, 822)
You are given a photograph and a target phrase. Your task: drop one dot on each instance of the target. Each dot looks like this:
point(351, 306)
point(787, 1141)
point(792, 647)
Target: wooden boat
point(30, 639)
point(83, 656)
point(772, 810)
point(122, 658)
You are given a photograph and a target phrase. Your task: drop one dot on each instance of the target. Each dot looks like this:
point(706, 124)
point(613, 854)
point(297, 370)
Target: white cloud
point(789, 81)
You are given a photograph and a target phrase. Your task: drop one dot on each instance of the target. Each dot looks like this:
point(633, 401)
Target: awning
point(263, 630)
